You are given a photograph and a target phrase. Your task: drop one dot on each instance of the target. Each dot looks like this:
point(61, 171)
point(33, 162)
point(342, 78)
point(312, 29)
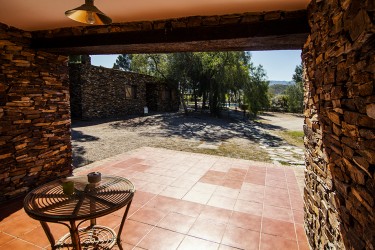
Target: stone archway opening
point(338, 55)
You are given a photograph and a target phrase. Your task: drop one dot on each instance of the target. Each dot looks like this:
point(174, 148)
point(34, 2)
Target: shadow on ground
point(200, 127)
point(79, 152)
point(81, 137)
point(10, 207)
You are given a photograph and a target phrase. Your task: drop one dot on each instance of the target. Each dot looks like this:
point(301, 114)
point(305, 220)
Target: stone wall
point(339, 59)
point(34, 115)
point(75, 88)
point(98, 92)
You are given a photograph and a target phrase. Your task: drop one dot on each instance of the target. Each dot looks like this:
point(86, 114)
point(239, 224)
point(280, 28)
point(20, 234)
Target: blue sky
point(278, 64)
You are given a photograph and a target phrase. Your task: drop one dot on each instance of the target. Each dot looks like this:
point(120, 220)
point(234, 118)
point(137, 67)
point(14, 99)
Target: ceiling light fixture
point(88, 13)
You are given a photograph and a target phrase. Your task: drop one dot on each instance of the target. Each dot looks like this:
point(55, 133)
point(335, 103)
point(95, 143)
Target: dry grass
point(292, 137)
point(239, 149)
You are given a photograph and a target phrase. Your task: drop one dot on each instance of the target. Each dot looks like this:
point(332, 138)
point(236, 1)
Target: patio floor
point(187, 201)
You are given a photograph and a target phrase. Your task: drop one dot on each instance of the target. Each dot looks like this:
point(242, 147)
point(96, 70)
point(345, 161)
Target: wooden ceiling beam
point(249, 31)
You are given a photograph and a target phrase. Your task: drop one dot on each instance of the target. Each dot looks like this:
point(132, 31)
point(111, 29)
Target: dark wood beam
point(249, 31)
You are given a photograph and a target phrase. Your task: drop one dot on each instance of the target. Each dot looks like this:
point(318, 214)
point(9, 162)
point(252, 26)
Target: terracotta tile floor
point(187, 201)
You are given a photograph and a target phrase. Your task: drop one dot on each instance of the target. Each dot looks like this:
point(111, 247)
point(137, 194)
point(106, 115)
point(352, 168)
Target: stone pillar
point(339, 58)
point(34, 115)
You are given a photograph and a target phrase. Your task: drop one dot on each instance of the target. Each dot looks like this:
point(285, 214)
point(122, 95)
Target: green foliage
point(277, 89)
point(295, 92)
point(123, 62)
point(279, 103)
point(75, 59)
point(255, 90)
point(213, 77)
point(298, 74)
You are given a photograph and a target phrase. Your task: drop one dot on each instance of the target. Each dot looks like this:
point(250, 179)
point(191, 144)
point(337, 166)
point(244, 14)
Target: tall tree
point(123, 62)
point(255, 91)
point(298, 74)
point(295, 91)
point(213, 76)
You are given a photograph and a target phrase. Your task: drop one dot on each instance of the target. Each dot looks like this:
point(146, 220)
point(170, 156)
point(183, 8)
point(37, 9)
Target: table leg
point(74, 234)
point(122, 225)
point(92, 205)
point(92, 222)
point(47, 230)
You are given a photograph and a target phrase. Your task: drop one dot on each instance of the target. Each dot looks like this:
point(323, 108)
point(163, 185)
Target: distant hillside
point(277, 89)
point(273, 82)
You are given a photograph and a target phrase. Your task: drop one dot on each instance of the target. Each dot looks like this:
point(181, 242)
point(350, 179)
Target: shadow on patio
point(187, 201)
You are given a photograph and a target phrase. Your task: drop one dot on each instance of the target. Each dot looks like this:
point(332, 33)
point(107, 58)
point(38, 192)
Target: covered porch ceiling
point(165, 26)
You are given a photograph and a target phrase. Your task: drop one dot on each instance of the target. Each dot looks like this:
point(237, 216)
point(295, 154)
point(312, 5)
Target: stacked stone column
point(339, 60)
point(34, 115)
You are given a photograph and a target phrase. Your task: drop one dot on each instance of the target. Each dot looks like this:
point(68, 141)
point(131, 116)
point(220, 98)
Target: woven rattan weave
point(88, 201)
point(95, 237)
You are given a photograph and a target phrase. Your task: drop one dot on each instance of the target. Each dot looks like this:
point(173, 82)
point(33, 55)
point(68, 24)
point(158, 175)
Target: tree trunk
point(210, 98)
point(182, 98)
point(204, 100)
point(195, 99)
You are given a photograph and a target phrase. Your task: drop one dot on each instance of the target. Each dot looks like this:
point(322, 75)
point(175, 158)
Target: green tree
point(213, 66)
point(298, 74)
point(123, 62)
point(212, 76)
point(75, 59)
point(295, 92)
point(177, 71)
point(279, 103)
point(256, 89)
point(172, 68)
point(225, 73)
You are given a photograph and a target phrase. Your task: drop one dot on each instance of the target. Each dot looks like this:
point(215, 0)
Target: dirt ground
point(227, 136)
point(288, 121)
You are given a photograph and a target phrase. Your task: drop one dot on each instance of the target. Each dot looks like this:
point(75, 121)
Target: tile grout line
point(11, 235)
point(227, 223)
point(261, 223)
point(187, 234)
point(206, 204)
point(18, 238)
point(291, 208)
point(211, 194)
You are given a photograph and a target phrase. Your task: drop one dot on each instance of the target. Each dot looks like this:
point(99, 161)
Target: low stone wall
point(339, 57)
point(99, 92)
point(34, 115)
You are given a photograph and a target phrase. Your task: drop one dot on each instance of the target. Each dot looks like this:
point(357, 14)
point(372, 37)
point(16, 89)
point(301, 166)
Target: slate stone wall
point(34, 115)
point(339, 57)
point(99, 92)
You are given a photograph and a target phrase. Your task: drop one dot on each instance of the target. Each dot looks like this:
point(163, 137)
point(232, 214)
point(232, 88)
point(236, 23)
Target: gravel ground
point(100, 139)
point(287, 121)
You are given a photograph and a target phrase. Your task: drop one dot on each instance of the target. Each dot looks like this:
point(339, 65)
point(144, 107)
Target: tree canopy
point(295, 91)
point(213, 78)
point(123, 62)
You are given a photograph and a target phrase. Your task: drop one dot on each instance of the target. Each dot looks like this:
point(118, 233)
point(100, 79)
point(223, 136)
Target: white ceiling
point(49, 14)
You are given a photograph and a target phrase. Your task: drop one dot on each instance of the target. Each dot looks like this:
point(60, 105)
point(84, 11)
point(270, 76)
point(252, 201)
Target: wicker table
point(48, 203)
